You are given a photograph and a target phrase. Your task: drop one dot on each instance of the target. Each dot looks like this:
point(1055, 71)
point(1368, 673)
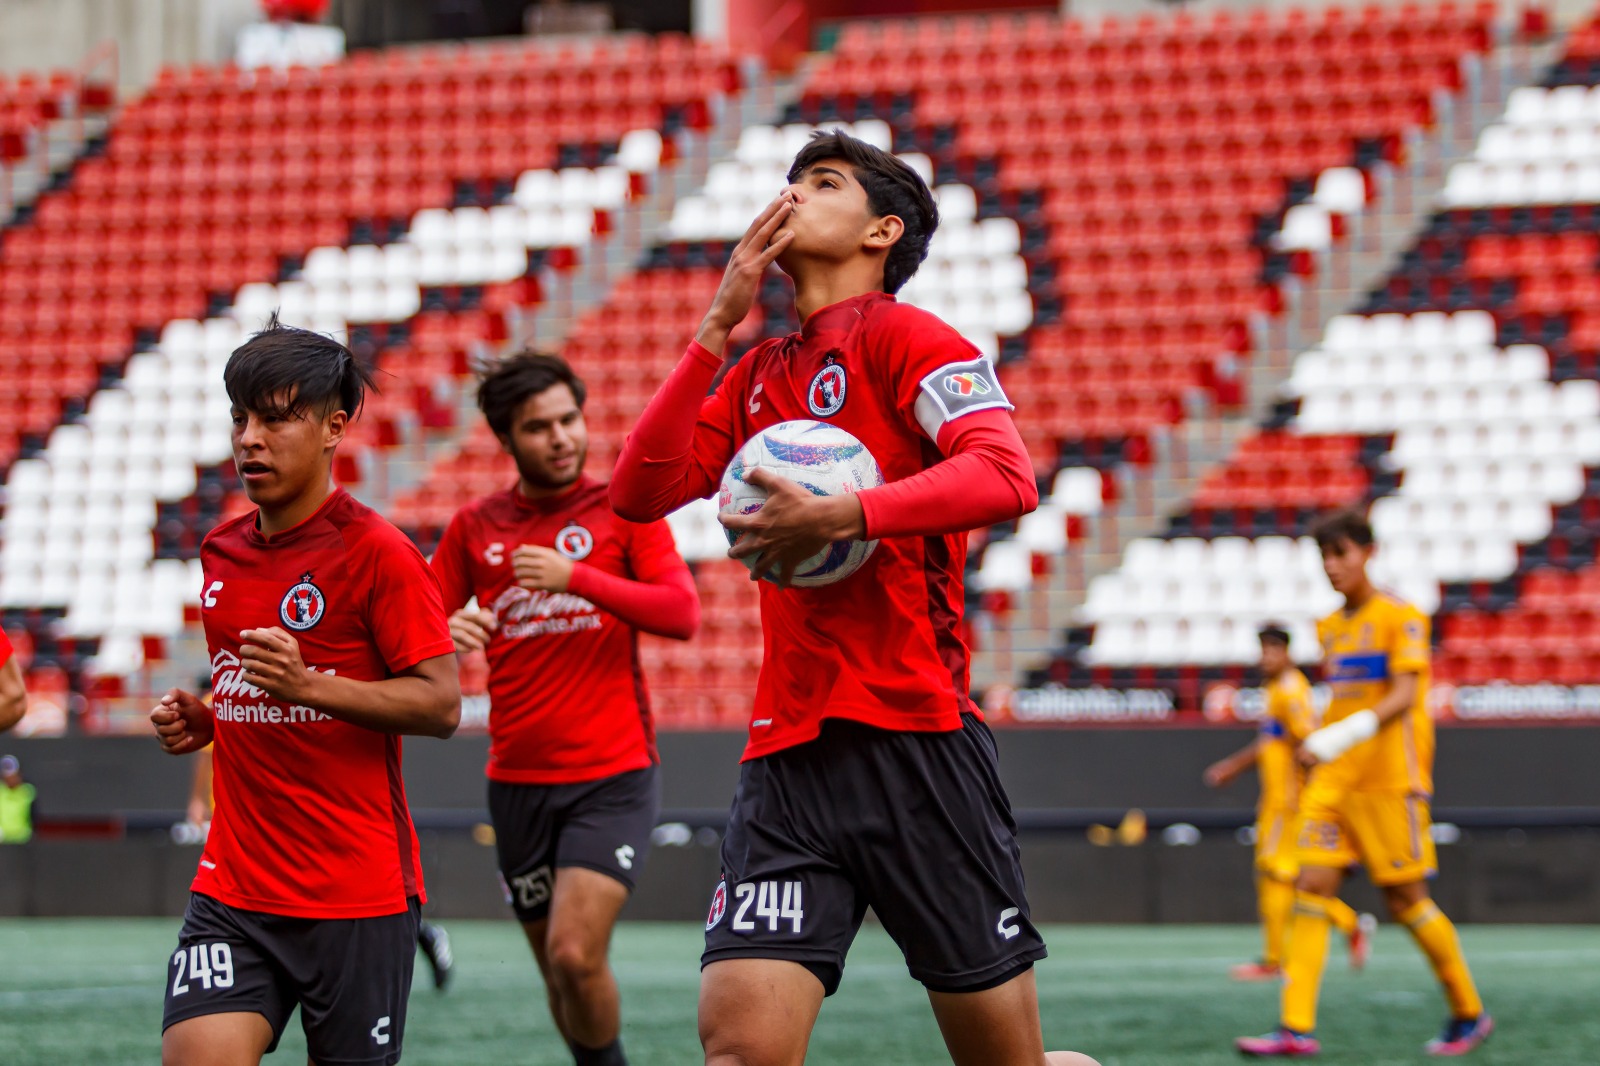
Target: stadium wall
point(40, 35)
point(1527, 800)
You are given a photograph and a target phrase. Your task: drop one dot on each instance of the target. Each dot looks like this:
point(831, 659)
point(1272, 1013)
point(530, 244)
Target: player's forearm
point(669, 607)
point(656, 473)
point(1400, 698)
point(409, 705)
point(988, 478)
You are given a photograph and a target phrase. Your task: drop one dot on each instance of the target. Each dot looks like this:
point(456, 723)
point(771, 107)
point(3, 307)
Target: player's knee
point(574, 960)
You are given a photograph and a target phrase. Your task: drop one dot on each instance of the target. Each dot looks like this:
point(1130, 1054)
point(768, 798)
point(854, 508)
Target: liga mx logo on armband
point(303, 605)
point(719, 905)
point(575, 542)
point(826, 395)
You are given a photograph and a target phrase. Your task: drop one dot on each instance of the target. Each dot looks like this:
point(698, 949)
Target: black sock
point(610, 1055)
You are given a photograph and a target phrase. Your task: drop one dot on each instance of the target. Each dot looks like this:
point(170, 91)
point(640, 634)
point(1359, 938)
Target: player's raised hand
point(272, 662)
point(471, 628)
point(791, 526)
point(541, 569)
point(741, 281)
point(183, 723)
point(1219, 774)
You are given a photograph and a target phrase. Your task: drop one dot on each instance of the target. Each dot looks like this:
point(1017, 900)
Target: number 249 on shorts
point(776, 902)
point(207, 965)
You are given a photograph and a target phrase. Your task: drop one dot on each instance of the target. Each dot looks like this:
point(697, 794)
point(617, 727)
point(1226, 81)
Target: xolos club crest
point(303, 605)
point(826, 395)
point(719, 905)
point(574, 542)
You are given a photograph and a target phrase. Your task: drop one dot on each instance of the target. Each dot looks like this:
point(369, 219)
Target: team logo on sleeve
point(303, 605)
point(574, 542)
point(719, 905)
point(966, 384)
point(957, 389)
point(826, 395)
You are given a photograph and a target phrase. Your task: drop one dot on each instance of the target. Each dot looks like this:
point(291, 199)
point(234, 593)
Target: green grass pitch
point(88, 993)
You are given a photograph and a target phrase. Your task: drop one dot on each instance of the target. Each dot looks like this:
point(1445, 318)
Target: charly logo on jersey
point(965, 384)
point(574, 542)
point(719, 905)
point(826, 395)
point(303, 605)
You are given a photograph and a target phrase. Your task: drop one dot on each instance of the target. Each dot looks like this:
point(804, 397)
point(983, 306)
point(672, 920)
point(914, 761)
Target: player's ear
point(883, 232)
point(334, 427)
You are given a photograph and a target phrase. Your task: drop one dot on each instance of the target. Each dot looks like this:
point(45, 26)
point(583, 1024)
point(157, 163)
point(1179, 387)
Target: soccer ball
point(819, 457)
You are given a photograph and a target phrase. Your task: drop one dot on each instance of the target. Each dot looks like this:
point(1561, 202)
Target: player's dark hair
point(1334, 529)
point(505, 383)
point(293, 372)
point(893, 188)
point(1273, 633)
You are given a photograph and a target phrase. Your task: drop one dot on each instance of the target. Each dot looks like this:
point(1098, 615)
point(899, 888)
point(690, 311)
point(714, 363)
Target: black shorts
point(915, 825)
point(602, 825)
point(351, 977)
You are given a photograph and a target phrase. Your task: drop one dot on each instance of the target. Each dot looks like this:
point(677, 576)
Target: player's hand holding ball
point(471, 628)
point(792, 526)
point(541, 569)
point(272, 663)
point(183, 723)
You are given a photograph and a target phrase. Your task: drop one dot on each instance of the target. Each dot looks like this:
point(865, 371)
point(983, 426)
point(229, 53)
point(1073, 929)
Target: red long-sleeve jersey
point(883, 646)
point(567, 699)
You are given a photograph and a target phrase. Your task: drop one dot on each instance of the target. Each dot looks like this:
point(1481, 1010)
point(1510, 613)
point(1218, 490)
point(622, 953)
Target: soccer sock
point(1342, 915)
point(1307, 954)
point(1276, 901)
point(1436, 936)
point(610, 1055)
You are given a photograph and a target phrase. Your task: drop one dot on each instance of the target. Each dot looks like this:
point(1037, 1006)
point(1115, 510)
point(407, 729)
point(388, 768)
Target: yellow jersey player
point(1367, 797)
point(1288, 720)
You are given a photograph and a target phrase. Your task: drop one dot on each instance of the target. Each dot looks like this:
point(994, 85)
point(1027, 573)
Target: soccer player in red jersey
point(563, 587)
point(13, 693)
point(869, 777)
point(328, 642)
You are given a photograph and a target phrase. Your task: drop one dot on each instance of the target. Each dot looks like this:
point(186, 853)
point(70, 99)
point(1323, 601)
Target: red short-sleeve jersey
point(883, 647)
point(6, 649)
point(567, 697)
point(311, 815)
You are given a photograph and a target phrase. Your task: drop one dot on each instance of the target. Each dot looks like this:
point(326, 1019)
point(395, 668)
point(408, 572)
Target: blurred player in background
point(1288, 720)
point(432, 938)
point(869, 778)
point(13, 693)
point(1367, 797)
point(563, 588)
point(16, 803)
point(328, 642)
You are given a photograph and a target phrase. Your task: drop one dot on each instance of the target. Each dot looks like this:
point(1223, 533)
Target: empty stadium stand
point(1131, 211)
point(1461, 403)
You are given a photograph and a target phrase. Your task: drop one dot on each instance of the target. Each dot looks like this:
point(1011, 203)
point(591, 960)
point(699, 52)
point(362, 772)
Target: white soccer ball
point(819, 457)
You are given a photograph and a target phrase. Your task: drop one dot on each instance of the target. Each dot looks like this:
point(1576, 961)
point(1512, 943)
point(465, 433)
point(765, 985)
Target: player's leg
point(434, 943)
point(1397, 842)
point(757, 1012)
point(1324, 849)
point(538, 934)
point(601, 848)
point(583, 913)
point(226, 1000)
point(998, 1026)
point(526, 820)
point(239, 1038)
point(938, 857)
point(353, 977)
point(783, 914)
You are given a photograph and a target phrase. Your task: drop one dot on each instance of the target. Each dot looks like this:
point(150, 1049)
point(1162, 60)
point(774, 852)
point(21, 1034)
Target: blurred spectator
point(13, 696)
point(16, 803)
